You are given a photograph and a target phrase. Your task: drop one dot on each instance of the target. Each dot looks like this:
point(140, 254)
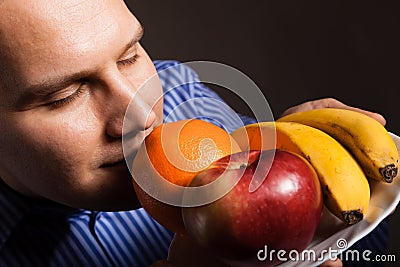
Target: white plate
point(334, 235)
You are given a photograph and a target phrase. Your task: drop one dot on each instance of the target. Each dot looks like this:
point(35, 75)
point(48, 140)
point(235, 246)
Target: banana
point(363, 136)
point(344, 184)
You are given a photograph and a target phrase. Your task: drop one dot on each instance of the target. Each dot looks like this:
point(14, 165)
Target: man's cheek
point(77, 131)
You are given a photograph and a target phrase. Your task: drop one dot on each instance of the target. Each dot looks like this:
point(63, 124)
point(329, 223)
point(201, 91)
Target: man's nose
point(128, 112)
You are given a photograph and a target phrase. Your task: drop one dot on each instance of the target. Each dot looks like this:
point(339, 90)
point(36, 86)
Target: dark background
point(294, 51)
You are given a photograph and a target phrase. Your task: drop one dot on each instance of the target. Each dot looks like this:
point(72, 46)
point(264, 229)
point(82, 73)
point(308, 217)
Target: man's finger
point(332, 103)
point(332, 263)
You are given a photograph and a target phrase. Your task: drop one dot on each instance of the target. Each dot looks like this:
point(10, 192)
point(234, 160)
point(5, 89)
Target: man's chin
point(115, 191)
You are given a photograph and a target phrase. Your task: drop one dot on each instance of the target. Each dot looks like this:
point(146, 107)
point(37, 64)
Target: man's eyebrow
point(46, 88)
point(135, 39)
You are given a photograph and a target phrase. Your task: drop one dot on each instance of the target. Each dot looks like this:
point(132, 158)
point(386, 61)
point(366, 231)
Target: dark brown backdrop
point(294, 50)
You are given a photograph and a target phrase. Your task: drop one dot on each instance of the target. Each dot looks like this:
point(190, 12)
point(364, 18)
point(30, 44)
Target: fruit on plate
point(175, 152)
point(282, 213)
point(345, 187)
point(363, 136)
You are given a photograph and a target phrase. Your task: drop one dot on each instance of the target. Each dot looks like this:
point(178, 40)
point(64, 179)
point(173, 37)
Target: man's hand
point(331, 103)
point(184, 251)
point(332, 263)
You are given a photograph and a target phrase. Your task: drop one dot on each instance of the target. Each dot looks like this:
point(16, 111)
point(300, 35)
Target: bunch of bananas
point(346, 148)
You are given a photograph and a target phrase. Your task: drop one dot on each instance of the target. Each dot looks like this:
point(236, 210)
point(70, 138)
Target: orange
point(176, 152)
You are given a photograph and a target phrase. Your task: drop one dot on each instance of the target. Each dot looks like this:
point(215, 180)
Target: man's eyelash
point(78, 92)
point(68, 99)
point(128, 61)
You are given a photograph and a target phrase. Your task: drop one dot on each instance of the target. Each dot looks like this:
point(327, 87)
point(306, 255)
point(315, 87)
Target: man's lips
point(133, 149)
point(119, 161)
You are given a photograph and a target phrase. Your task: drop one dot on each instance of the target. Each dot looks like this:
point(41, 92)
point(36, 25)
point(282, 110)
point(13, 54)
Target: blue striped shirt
point(43, 233)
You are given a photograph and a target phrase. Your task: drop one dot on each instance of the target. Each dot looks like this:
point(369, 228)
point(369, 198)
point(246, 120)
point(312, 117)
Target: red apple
point(282, 213)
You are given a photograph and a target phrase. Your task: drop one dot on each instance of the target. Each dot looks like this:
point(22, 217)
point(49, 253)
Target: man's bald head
point(39, 38)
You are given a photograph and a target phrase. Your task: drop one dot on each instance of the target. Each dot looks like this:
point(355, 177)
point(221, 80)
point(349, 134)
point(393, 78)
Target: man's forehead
point(33, 32)
point(39, 16)
point(38, 37)
point(56, 25)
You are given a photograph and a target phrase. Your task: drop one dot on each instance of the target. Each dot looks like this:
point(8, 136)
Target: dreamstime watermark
point(310, 255)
